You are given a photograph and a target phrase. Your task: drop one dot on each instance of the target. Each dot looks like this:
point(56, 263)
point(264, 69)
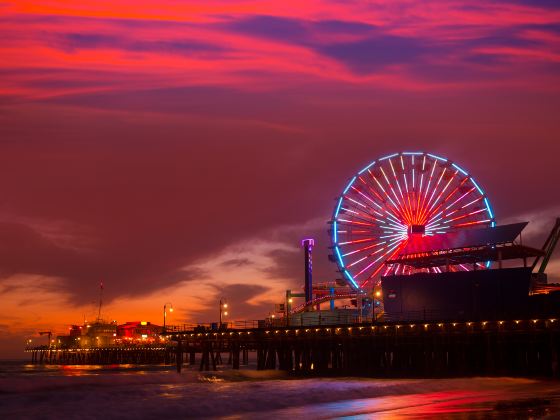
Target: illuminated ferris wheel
point(398, 198)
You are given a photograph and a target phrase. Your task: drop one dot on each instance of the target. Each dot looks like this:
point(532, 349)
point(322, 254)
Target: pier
point(103, 355)
point(515, 348)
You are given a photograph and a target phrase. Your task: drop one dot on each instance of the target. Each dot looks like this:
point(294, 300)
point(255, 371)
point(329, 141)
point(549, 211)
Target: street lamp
point(223, 309)
point(165, 312)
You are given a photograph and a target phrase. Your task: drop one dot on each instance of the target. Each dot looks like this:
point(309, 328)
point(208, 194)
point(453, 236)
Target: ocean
point(126, 392)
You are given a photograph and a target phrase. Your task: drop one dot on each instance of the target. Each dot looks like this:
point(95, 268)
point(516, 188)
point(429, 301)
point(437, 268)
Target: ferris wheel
point(396, 198)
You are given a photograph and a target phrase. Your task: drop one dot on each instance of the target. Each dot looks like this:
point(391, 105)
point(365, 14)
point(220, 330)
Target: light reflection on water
point(78, 370)
point(445, 404)
point(157, 391)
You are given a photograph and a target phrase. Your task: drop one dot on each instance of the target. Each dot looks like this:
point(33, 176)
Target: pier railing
point(232, 325)
point(526, 347)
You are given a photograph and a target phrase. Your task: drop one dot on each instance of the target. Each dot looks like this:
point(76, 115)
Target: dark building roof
point(464, 238)
point(465, 247)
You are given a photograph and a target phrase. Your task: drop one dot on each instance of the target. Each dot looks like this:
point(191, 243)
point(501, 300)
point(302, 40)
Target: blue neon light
point(389, 157)
point(366, 168)
point(460, 169)
point(412, 153)
point(488, 208)
point(349, 185)
point(339, 256)
point(437, 157)
point(477, 187)
point(351, 279)
point(335, 239)
point(338, 207)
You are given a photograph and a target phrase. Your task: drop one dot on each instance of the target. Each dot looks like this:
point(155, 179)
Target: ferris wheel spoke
point(360, 215)
point(472, 202)
point(464, 209)
point(365, 258)
point(419, 195)
point(465, 215)
point(406, 186)
point(406, 209)
point(425, 195)
point(357, 202)
point(446, 199)
point(378, 269)
point(357, 241)
point(396, 178)
point(400, 207)
point(367, 218)
point(369, 265)
point(478, 222)
point(364, 248)
point(352, 222)
point(366, 197)
point(436, 186)
point(395, 221)
point(413, 173)
point(460, 198)
point(386, 194)
point(372, 190)
point(443, 190)
point(388, 209)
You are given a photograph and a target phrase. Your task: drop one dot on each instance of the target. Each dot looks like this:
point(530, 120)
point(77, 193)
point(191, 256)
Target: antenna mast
point(100, 301)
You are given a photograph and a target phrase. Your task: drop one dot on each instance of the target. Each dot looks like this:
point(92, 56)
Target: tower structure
point(308, 245)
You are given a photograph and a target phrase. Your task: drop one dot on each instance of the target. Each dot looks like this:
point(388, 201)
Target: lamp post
point(375, 304)
point(165, 312)
point(223, 309)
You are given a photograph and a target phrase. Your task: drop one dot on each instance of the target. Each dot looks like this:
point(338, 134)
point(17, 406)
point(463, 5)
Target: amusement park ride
point(415, 215)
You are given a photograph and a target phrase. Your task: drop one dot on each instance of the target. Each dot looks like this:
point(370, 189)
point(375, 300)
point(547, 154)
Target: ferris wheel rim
point(343, 267)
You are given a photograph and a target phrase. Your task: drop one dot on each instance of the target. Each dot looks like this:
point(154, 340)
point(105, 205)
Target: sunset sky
point(179, 150)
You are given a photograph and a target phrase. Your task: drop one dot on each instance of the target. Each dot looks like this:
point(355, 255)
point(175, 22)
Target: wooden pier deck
point(103, 355)
point(514, 348)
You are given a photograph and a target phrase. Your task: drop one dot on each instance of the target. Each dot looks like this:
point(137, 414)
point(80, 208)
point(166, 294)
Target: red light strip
point(372, 190)
point(387, 208)
point(367, 256)
point(381, 266)
point(436, 186)
point(420, 191)
point(360, 215)
point(357, 241)
point(472, 223)
point(406, 210)
point(386, 193)
point(364, 249)
point(356, 223)
point(420, 218)
point(441, 193)
point(472, 202)
point(400, 207)
point(460, 198)
point(447, 198)
point(465, 215)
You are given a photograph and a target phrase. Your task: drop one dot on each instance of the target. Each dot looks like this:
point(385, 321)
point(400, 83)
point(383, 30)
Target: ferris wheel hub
point(416, 230)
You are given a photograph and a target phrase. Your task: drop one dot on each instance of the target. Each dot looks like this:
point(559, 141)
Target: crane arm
point(548, 247)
